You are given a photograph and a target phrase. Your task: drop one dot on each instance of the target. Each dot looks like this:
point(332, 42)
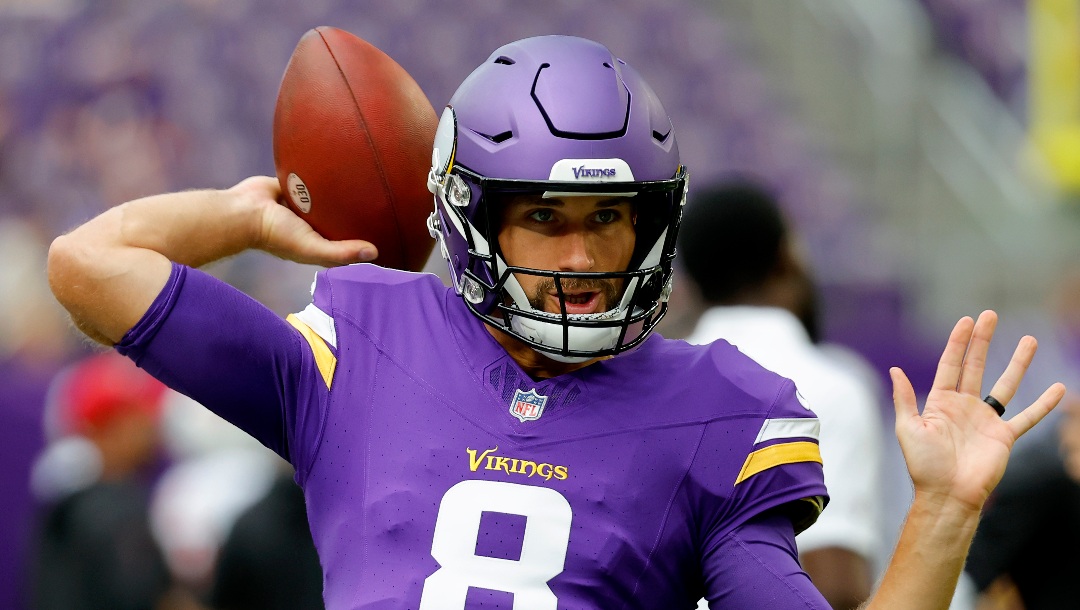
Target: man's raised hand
point(957, 448)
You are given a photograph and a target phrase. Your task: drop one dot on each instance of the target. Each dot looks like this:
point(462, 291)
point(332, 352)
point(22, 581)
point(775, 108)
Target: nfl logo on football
point(527, 406)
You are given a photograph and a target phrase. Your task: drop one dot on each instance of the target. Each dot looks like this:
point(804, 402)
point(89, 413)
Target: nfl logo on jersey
point(527, 406)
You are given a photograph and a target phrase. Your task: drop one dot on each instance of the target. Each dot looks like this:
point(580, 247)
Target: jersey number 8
point(457, 529)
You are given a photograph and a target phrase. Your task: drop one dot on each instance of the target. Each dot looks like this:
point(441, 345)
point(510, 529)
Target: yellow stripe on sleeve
point(778, 455)
point(324, 358)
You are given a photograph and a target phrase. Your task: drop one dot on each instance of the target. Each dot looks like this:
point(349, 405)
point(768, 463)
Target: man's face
point(574, 233)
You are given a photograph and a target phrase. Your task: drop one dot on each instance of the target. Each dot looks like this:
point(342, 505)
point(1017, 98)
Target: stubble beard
point(609, 291)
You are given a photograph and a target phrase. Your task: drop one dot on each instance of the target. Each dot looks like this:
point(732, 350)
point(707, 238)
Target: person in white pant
point(736, 246)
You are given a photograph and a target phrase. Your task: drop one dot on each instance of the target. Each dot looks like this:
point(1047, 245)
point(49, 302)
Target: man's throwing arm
point(107, 272)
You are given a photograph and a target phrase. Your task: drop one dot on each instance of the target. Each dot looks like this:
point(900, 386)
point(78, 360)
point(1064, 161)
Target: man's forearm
point(191, 227)
point(929, 556)
point(108, 271)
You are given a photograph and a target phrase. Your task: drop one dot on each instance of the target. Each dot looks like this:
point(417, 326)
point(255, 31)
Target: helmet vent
point(504, 60)
point(498, 138)
point(660, 137)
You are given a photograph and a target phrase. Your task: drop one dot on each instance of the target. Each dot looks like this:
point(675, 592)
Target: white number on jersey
point(457, 529)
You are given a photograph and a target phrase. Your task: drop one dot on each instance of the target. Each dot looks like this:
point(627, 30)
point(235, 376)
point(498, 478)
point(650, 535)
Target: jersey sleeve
point(783, 470)
point(756, 565)
point(765, 460)
point(215, 344)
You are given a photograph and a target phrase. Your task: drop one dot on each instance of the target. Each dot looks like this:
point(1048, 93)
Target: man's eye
point(542, 215)
point(607, 216)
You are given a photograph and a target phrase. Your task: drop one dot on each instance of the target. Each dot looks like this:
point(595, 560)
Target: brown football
point(352, 146)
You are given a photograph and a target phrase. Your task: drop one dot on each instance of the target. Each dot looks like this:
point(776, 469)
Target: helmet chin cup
point(550, 334)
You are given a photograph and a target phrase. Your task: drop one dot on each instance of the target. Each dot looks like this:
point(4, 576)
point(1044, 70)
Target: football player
point(522, 439)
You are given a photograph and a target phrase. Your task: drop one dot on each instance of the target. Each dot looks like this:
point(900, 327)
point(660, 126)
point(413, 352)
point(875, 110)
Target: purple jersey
point(439, 475)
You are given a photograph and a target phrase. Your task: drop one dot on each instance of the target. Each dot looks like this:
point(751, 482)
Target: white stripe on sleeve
point(789, 427)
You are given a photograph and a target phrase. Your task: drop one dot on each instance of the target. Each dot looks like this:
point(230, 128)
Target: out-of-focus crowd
point(105, 101)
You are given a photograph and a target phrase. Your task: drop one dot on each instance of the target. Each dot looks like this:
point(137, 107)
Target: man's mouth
point(579, 296)
point(580, 302)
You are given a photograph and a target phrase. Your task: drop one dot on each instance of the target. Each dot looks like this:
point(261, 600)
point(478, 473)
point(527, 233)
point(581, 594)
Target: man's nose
point(575, 252)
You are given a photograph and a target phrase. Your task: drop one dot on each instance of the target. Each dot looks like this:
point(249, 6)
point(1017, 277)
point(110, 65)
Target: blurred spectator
point(736, 247)
point(1026, 541)
point(268, 560)
point(1023, 548)
point(25, 385)
point(35, 342)
point(218, 473)
point(94, 549)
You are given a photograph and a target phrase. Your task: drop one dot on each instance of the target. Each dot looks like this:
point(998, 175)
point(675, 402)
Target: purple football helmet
point(561, 116)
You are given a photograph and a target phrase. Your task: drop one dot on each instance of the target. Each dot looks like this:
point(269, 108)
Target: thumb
point(314, 249)
point(345, 252)
point(904, 401)
point(287, 236)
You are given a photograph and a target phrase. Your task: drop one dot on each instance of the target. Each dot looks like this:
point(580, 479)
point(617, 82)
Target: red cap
point(102, 387)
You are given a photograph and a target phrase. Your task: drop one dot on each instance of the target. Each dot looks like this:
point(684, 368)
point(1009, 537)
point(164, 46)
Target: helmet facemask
point(492, 291)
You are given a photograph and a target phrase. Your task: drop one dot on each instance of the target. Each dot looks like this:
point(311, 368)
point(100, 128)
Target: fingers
point(971, 375)
point(1006, 385)
point(1026, 419)
point(964, 360)
point(952, 359)
point(904, 400)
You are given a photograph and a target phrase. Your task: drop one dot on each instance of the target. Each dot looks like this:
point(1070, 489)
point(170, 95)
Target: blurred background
point(928, 152)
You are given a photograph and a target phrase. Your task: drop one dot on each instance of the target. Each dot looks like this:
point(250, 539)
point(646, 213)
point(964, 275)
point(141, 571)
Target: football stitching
point(375, 151)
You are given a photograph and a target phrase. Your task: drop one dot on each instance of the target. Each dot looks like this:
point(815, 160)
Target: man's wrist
point(248, 208)
point(956, 516)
